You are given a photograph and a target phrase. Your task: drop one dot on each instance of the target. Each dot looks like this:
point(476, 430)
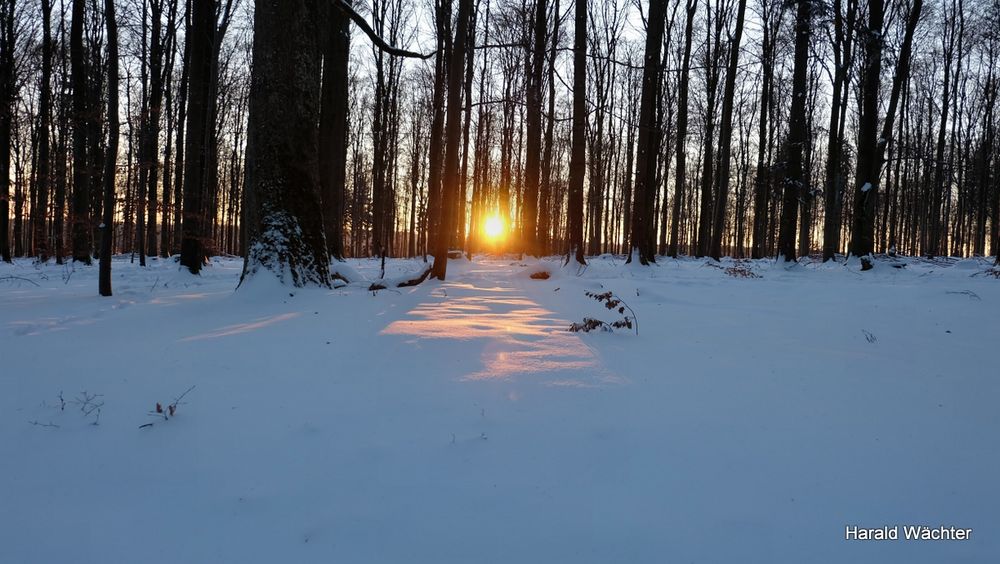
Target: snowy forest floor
point(750, 420)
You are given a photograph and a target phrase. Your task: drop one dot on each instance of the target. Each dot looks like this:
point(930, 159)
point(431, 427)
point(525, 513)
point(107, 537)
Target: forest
point(714, 128)
point(499, 281)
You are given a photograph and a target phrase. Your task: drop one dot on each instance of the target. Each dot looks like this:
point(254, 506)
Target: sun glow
point(494, 227)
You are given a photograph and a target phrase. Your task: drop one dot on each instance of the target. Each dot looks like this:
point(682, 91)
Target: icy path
point(750, 421)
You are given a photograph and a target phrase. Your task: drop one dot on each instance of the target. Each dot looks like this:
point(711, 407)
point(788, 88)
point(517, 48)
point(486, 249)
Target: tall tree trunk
point(7, 96)
point(283, 214)
point(442, 10)
point(42, 172)
point(868, 167)
point(871, 146)
point(182, 116)
point(682, 126)
point(578, 155)
point(460, 211)
point(111, 156)
point(334, 129)
point(948, 52)
point(453, 138)
point(834, 174)
point(761, 232)
point(794, 182)
point(712, 69)
point(545, 185)
point(529, 215)
point(81, 168)
point(152, 133)
point(95, 130)
point(648, 144)
point(200, 133)
point(726, 134)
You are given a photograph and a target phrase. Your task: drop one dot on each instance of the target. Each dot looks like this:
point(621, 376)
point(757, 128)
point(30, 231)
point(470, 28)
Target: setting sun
point(493, 228)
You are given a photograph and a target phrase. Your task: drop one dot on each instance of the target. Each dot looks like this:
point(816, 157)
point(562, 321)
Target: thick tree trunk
point(152, 133)
point(453, 138)
point(81, 168)
point(284, 221)
point(794, 181)
point(333, 128)
point(578, 155)
point(111, 156)
point(648, 143)
point(7, 96)
point(712, 69)
point(868, 167)
point(871, 146)
point(436, 142)
point(200, 133)
point(42, 172)
point(529, 215)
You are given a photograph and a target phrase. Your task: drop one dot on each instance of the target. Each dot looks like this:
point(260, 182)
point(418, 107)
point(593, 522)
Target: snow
point(751, 420)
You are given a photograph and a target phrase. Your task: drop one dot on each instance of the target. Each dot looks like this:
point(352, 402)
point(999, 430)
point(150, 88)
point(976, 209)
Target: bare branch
point(378, 41)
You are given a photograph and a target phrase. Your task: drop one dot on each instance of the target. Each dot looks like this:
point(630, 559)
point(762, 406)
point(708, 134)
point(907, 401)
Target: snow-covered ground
point(750, 420)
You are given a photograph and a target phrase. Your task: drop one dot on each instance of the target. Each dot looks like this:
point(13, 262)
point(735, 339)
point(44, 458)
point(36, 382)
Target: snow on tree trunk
point(283, 212)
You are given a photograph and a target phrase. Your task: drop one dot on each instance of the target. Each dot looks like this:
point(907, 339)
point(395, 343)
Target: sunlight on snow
point(520, 338)
point(239, 328)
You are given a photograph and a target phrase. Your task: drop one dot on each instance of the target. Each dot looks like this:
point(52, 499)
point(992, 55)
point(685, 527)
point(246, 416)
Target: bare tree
point(682, 126)
point(871, 146)
point(111, 155)
point(578, 153)
point(7, 96)
point(726, 133)
point(333, 127)
point(648, 145)
point(453, 138)
point(81, 167)
point(794, 183)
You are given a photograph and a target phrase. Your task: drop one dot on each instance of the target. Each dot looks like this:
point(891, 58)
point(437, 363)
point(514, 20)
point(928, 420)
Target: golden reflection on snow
point(240, 328)
point(520, 337)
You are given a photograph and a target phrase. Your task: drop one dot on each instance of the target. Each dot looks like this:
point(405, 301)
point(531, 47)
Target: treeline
point(748, 128)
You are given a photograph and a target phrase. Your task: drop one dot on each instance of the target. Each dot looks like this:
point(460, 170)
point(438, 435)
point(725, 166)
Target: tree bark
point(200, 133)
point(111, 156)
point(81, 168)
point(529, 215)
point(334, 128)
point(578, 155)
point(284, 221)
point(726, 134)
point(834, 175)
point(7, 96)
point(648, 143)
point(453, 138)
point(794, 182)
point(682, 127)
point(152, 133)
point(42, 173)
point(442, 10)
point(871, 149)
